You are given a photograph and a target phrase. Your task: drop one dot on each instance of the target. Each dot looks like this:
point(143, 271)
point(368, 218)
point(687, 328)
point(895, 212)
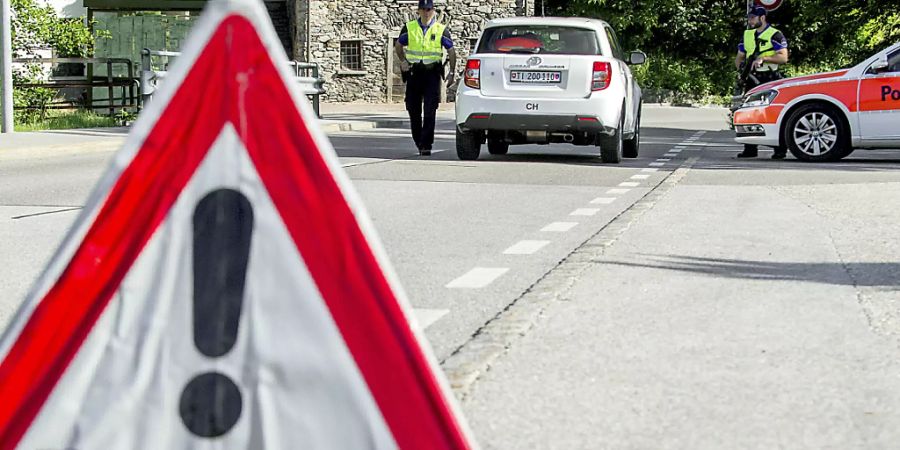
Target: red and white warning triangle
point(223, 287)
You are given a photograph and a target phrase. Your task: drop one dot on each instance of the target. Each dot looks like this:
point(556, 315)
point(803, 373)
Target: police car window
point(894, 62)
point(544, 40)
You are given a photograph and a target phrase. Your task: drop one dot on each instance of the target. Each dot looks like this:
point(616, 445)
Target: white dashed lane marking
point(651, 169)
point(425, 317)
point(584, 212)
point(640, 177)
point(525, 247)
point(478, 277)
point(603, 200)
point(559, 227)
point(656, 164)
point(617, 191)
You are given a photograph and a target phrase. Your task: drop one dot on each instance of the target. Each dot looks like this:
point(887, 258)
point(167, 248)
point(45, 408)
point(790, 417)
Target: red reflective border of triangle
point(234, 80)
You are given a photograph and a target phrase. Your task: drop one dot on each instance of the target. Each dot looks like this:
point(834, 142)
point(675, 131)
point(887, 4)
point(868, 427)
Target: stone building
point(352, 40)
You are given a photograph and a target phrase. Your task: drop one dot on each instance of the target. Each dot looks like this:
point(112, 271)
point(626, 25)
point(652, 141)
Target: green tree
point(34, 27)
point(691, 43)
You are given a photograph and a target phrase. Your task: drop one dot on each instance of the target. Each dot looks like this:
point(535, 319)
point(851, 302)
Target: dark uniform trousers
point(423, 87)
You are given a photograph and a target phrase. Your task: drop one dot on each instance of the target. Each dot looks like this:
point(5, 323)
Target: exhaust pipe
point(566, 137)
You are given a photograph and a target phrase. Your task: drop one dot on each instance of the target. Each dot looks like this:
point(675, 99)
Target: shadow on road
point(874, 274)
point(94, 132)
point(868, 161)
point(719, 158)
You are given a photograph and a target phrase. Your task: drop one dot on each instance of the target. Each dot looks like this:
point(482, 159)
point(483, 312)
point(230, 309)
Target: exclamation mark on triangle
point(211, 402)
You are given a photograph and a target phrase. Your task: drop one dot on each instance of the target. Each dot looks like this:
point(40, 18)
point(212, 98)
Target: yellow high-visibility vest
point(422, 47)
point(765, 46)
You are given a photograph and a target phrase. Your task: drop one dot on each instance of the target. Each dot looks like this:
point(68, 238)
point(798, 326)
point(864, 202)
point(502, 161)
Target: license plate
point(524, 76)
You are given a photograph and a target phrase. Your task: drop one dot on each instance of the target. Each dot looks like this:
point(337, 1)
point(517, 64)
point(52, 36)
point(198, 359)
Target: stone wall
point(375, 25)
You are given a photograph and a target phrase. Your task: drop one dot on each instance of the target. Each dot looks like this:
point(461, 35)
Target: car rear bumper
point(598, 112)
point(536, 122)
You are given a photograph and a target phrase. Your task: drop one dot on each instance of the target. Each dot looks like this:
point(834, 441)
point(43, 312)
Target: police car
point(548, 80)
point(824, 117)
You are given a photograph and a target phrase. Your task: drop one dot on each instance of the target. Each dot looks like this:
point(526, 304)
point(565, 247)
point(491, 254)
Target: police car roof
point(547, 21)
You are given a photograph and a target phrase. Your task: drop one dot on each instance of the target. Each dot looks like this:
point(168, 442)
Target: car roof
point(557, 21)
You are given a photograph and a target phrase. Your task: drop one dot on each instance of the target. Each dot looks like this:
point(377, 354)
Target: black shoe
point(425, 151)
point(779, 155)
point(747, 155)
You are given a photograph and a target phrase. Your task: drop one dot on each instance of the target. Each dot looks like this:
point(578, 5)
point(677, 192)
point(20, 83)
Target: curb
point(331, 126)
point(113, 143)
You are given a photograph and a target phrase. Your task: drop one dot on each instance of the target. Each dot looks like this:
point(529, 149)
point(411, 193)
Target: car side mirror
point(879, 65)
point(637, 58)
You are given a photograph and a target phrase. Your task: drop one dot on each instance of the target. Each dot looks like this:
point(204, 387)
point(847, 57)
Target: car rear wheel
point(611, 147)
point(468, 145)
point(816, 132)
point(498, 147)
point(632, 146)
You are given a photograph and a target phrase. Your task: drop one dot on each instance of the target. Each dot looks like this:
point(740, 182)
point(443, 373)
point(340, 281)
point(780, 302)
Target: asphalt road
point(683, 299)
point(439, 218)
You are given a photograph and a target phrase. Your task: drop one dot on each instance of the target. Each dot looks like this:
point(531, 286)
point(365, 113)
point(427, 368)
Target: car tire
point(611, 147)
point(632, 146)
point(497, 147)
point(816, 132)
point(468, 145)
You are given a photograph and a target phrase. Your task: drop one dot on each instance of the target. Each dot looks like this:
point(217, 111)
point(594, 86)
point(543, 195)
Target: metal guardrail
point(128, 84)
point(307, 75)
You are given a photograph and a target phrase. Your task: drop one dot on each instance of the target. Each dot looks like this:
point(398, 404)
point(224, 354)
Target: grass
point(65, 120)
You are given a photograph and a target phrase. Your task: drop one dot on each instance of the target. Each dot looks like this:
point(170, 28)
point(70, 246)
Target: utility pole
point(6, 98)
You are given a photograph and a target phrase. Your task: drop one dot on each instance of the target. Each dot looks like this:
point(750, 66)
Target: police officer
point(422, 67)
point(769, 47)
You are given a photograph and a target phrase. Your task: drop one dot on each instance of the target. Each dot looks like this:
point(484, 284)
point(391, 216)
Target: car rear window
point(538, 39)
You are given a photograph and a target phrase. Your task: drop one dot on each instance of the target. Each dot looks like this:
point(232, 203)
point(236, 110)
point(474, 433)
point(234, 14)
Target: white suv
point(544, 80)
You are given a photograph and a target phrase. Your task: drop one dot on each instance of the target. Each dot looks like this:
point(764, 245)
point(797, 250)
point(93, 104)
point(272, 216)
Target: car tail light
point(601, 76)
point(473, 73)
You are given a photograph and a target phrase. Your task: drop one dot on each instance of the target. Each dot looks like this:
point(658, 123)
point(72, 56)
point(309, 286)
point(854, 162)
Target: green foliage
point(64, 120)
point(35, 26)
point(125, 117)
point(691, 44)
point(30, 103)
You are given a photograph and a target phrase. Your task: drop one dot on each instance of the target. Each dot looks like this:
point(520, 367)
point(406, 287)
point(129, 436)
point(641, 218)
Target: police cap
point(757, 11)
point(426, 4)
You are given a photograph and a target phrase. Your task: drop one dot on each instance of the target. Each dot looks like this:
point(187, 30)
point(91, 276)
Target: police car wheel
point(468, 145)
point(816, 132)
point(497, 147)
